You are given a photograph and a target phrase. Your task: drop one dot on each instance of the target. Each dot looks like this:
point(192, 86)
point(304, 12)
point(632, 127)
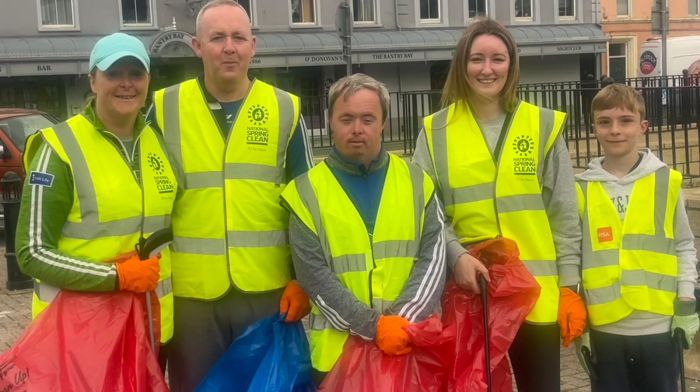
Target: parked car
point(15, 126)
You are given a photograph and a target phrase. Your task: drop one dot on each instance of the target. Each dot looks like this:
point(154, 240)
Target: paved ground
point(15, 316)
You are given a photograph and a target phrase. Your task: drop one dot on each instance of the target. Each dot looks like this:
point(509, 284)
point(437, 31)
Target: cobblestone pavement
point(15, 316)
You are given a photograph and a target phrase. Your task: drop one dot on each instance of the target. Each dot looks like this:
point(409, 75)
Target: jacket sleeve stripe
point(431, 280)
point(36, 248)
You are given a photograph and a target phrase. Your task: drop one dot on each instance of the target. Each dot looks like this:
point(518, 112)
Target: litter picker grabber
point(147, 248)
point(679, 339)
point(483, 285)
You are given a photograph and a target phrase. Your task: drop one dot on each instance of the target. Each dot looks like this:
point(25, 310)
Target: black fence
point(672, 105)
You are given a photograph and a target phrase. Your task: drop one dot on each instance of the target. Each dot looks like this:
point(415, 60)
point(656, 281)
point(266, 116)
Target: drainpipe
point(396, 15)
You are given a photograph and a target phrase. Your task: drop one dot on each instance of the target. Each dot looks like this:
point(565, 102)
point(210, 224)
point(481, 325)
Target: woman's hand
point(467, 270)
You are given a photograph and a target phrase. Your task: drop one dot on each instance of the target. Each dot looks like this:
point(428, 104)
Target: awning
point(68, 54)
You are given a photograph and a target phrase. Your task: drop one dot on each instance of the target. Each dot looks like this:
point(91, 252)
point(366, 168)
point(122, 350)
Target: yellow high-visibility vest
point(488, 197)
point(374, 268)
point(228, 225)
point(110, 207)
point(630, 265)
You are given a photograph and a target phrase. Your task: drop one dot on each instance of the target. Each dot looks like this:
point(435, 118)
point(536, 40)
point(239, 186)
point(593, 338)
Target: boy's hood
point(595, 172)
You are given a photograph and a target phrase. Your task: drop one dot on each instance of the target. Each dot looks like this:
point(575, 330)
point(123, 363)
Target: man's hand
point(136, 275)
point(571, 315)
point(294, 302)
point(392, 337)
point(689, 325)
point(466, 272)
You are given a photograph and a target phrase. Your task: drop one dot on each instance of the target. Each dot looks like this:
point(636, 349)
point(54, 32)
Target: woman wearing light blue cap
point(96, 184)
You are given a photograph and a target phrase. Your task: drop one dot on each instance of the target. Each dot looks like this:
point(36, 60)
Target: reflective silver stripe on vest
point(200, 246)
point(251, 171)
point(649, 279)
point(348, 263)
point(257, 239)
point(546, 129)
point(119, 227)
point(394, 248)
point(541, 267)
point(470, 194)
point(517, 203)
point(604, 258)
point(81, 174)
point(308, 198)
point(45, 292)
point(171, 128)
point(208, 179)
point(603, 295)
point(286, 120)
point(164, 287)
point(381, 305)
point(411, 247)
point(439, 138)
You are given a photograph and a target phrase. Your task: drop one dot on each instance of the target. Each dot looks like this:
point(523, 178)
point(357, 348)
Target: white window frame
point(374, 22)
point(487, 8)
point(530, 18)
point(697, 8)
point(62, 27)
point(315, 23)
point(631, 55)
point(574, 6)
point(252, 13)
point(437, 20)
point(138, 26)
point(629, 10)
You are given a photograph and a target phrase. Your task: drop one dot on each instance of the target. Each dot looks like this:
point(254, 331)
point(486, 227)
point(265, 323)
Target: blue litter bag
point(270, 356)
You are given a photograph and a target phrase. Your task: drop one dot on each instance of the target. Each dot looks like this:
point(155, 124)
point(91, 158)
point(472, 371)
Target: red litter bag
point(85, 342)
point(364, 367)
point(512, 293)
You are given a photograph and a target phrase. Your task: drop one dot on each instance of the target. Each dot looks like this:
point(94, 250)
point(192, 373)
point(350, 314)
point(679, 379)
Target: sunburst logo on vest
point(523, 157)
point(257, 131)
point(157, 165)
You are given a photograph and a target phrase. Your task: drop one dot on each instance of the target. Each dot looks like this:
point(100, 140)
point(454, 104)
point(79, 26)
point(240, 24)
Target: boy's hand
point(466, 272)
point(571, 315)
point(689, 325)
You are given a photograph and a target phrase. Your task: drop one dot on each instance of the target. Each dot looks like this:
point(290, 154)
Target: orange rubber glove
point(138, 276)
point(391, 336)
point(572, 315)
point(294, 302)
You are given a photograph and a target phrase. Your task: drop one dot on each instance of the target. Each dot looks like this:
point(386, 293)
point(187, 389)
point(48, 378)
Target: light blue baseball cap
point(116, 46)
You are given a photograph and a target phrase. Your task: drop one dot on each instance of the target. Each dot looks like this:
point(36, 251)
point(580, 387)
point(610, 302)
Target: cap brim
point(114, 57)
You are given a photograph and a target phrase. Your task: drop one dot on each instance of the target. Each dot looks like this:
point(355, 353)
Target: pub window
point(477, 8)
point(137, 12)
point(364, 11)
point(567, 9)
point(247, 4)
point(57, 13)
point(430, 10)
point(623, 7)
point(304, 11)
point(693, 7)
point(523, 9)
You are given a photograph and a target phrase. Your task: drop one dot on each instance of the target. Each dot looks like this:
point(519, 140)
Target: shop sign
point(267, 62)
point(166, 38)
point(391, 57)
point(317, 59)
point(568, 49)
point(64, 68)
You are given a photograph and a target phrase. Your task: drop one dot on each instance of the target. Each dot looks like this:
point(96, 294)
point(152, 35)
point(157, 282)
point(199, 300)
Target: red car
point(15, 126)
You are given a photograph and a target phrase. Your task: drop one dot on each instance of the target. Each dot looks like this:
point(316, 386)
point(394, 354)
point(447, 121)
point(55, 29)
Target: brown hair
point(457, 89)
point(619, 96)
point(351, 84)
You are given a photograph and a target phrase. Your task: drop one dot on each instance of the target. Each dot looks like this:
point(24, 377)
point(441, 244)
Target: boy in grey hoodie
point(638, 254)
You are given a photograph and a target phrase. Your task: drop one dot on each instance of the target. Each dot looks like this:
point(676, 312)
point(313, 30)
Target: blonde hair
point(457, 89)
point(619, 96)
point(351, 84)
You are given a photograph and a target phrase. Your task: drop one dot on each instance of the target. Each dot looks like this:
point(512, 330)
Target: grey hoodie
point(619, 190)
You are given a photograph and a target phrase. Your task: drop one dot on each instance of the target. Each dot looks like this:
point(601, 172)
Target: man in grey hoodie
point(366, 233)
point(639, 257)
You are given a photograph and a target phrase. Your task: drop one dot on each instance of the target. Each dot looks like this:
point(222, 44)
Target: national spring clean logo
point(523, 157)
point(257, 132)
point(157, 165)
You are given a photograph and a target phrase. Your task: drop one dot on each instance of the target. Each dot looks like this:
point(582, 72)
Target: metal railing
point(672, 106)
